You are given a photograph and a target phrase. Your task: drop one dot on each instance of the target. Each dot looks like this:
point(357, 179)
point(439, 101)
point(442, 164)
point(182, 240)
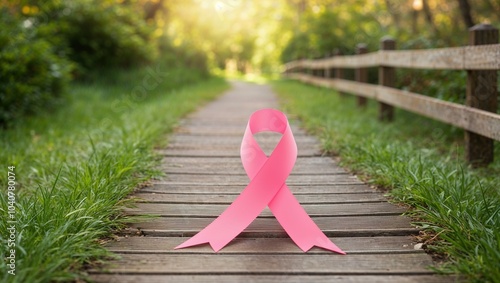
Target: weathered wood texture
point(474, 120)
point(224, 198)
point(352, 245)
point(232, 166)
point(252, 278)
point(481, 60)
point(361, 73)
point(332, 226)
point(386, 77)
point(314, 210)
point(482, 94)
point(485, 57)
point(383, 264)
point(236, 189)
point(197, 187)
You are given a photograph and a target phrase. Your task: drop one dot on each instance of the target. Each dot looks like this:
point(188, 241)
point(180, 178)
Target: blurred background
point(45, 44)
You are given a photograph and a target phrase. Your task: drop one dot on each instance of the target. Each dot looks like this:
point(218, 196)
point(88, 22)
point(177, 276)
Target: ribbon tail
point(245, 208)
point(318, 240)
point(225, 227)
point(200, 238)
point(297, 223)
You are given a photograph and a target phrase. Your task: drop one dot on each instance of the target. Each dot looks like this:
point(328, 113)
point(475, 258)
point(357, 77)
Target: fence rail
point(481, 57)
point(481, 60)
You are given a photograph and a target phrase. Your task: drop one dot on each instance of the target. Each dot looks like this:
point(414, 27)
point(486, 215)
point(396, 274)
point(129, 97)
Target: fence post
point(316, 72)
point(481, 94)
point(361, 73)
point(386, 77)
point(327, 71)
point(301, 69)
point(309, 71)
point(339, 72)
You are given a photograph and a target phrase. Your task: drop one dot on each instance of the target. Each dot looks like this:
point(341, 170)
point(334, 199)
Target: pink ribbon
point(267, 187)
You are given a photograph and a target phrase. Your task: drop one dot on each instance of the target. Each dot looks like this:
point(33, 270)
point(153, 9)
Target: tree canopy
point(264, 33)
point(247, 34)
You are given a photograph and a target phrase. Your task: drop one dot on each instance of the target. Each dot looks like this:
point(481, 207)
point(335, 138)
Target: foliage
point(98, 33)
point(75, 166)
point(236, 34)
point(320, 26)
point(329, 30)
point(449, 85)
point(323, 26)
point(183, 56)
point(32, 76)
point(42, 42)
point(421, 160)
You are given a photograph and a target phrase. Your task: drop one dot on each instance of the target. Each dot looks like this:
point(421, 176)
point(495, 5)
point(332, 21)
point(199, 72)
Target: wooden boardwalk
point(204, 175)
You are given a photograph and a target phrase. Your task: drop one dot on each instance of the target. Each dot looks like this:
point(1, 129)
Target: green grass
point(421, 162)
point(75, 167)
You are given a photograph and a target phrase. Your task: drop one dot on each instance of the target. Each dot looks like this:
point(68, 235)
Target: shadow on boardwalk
point(204, 175)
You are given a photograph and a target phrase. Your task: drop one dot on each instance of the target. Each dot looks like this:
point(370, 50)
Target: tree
point(465, 10)
point(429, 18)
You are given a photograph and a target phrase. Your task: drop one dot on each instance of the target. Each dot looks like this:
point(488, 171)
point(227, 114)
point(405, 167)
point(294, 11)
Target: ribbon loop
point(267, 187)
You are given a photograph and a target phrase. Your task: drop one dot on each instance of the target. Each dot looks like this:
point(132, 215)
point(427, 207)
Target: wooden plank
point(201, 152)
point(366, 90)
point(237, 189)
point(244, 180)
point(218, 181)
point(193, 144)
point(301, 165)
point(475, 120)
point(229, 150)
point(229, 198)
point(232, 140)
point(222, 130)
point(360, 61)
point(351, 245)
point(451, 58)
point(471, 119)
point(217, 121)
point(347, 61)
point(483, 57)
point(383, 264)
point(396, 58)
point(304, 162)
point(314, 210)
point(237, 168)
point(439, 58)
point(158, 278)
point(341, 226)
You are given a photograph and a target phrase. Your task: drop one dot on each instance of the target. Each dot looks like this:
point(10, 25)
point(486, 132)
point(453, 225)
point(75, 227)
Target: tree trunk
point(429, 18)
point(493, 7)
point(394, 14)
point(465, 10)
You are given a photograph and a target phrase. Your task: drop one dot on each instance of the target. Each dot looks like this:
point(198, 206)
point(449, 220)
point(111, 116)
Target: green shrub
point(186, 56)
point(32, 77)
point(98, 33)
point(449, 85)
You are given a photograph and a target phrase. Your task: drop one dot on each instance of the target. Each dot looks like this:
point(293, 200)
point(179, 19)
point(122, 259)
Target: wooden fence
point(481, 60)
